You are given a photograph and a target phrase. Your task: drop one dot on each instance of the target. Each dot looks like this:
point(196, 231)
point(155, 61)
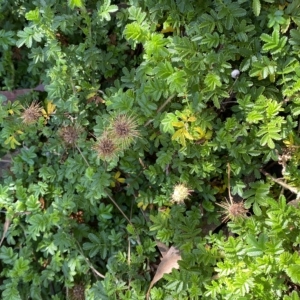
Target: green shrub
point(153, 112)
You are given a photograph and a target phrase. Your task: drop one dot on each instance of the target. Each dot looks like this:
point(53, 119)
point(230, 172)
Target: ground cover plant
point(151, 149)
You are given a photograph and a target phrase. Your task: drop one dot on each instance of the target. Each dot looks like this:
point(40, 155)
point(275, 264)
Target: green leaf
point(105, 211)
point(212, 81)
point(254, 117)
point(27, 36)
point(148, 106)
point(7, 255)
point(167, 123)
point(11, 291)
point(20, 268)
point(269, 132)
point(177, 82)
point(257, 247)
point(276, 18)
point(106, 9)
point(6, 39)
point(28, 155)
point(136, 14)
point(98, 244)
point(12, 142)
point(238, 188)
point(293, 296)
point(212, 40)
point(273, 44)
point(256, 209)
point(264, 68)
point(256, 7)
point(33, 15)
point(163, 70)
point(294, 272)
point(135, 32)
point(75, 3)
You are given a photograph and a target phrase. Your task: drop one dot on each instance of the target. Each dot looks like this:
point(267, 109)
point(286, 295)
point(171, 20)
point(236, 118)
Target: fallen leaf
point(163, 249)
point(168, 262)
point(5, 228)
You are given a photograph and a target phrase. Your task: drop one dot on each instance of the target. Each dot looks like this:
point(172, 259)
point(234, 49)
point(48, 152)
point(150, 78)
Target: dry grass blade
point(5, 228)
point(168, 262)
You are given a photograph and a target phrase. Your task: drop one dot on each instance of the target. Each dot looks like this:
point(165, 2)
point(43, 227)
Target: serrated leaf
point(166, 123)
point(178, 124)
point(135, 32)
point(212, 81)
point(106, 9)
point(187, 135)
point(180, 135)
point(192, 119)
point(33, 15)
point(256, 209)
point(164, 69)
point(294, 272)
point(256, 7)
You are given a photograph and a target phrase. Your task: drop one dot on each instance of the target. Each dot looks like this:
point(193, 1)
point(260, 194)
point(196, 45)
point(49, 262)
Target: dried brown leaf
point(168, 262)
point(163, 249)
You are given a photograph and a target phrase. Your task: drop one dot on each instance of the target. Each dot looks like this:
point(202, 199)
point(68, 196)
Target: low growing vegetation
point(151, 149)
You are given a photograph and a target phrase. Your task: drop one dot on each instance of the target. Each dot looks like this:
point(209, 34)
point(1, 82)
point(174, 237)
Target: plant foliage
point(108, 107)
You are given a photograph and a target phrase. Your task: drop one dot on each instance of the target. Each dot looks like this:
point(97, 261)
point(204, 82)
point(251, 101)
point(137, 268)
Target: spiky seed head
point(69, 135)
point(32, 113)
point(232, 210)
point(106, 147)
point(77, 292)
point(180, 193)
point(124, 129)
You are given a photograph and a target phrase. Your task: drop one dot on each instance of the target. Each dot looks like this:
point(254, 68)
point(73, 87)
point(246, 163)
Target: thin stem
point(88, 262)
point(160, 108)
point(284, 185)
point(83, 156)
point(230, 91)
point(5, 160)
point(121, 211)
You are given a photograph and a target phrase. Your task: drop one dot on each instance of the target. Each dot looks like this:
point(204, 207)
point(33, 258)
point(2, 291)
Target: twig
point(284, 185)
point(160, 109)
point(5, 160)
point(88, 262)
